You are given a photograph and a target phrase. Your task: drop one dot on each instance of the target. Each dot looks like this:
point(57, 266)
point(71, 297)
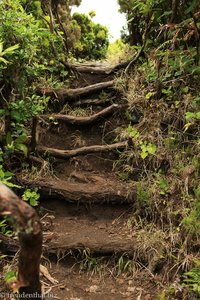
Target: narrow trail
point(85, 207)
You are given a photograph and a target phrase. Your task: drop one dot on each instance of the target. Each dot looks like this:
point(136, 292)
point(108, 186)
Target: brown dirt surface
point(79, 217)
point(76, 285)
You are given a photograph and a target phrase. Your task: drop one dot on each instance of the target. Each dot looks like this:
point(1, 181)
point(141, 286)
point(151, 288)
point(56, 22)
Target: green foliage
point(164, 186)
point(192, 221)
point(119, 51)
point(93, 38)
point(4, 228)
point(147, 149)
point(5, 177)
point(10, 277)
point(139, 13)
point(124, 264)
point(6, 52)
point(28, 55)
point(31, 196)
point(192, 279)
point(34, 41)
point(133, 132)
point(143, 197)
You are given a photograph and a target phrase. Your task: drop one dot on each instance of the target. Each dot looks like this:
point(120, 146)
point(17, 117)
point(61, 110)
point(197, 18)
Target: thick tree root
point(84, 188)
point(80, 151)
point(87, 102)
point(88, 68)
point(76, 93)
point(86, 120)
point(106, 248)
point(96, 69)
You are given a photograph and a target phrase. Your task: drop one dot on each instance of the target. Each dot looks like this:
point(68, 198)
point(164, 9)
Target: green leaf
point(11, 185)
point(2, 173)
point(10, 276)
point(2, 112)
point(196, 71)
point(149, 95)
point(23, 148)
point(133, 132)
point(144, 154)
point(151, 148)
point(163, 184)
point(1, 47)
point(21, 139)
point(10, 50)
point(34, 202)
point(3, 60)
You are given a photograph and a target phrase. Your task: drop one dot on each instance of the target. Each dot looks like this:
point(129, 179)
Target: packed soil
point(100, 230)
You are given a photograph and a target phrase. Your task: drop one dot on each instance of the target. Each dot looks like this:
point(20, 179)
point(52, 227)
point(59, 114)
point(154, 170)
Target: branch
point(84, 188)
point(86, 102)
point(95, 69)
point(86, 120)
point(132, 62)
point(80, 151)
point(27, 223)
point(64, 93)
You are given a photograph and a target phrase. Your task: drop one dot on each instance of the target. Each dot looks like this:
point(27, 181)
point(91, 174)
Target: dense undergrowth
point(164, 161)
point(163, 93)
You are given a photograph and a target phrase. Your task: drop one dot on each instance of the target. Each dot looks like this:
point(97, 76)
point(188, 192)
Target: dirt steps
point(76, 285)
point(74, 94)
point(101, 229)
point(83, 187)
point(73, 140)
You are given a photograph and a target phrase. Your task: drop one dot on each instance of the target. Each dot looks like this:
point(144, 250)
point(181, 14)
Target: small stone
point(147, 297)
point(120, 281)
point(131, 289)
point(92, 289)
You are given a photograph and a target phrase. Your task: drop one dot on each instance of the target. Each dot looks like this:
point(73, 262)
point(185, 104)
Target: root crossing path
point(86, 209)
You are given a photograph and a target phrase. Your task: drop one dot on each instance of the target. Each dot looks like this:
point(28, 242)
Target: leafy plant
point(124, 264)
point(164, 186)
point(31, 196)
point(192, 221)
point(192, 279)
point(5, 177)
point(4, 228)
point(143, 197)
point(9, 50)
point(10, 277)
point(147, 149)
point(17, 143)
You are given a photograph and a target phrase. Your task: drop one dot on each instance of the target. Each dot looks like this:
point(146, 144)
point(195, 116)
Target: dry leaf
point(45, 273)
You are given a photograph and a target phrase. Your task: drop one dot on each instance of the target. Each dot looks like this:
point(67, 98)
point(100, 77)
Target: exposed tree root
point(27, 223)
point(107, 248)
point(64, 93)
point(94, 189)
point(85, 102)
point(88, 68)
point(87, 120)
point(96, 69)
point(80, 151)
